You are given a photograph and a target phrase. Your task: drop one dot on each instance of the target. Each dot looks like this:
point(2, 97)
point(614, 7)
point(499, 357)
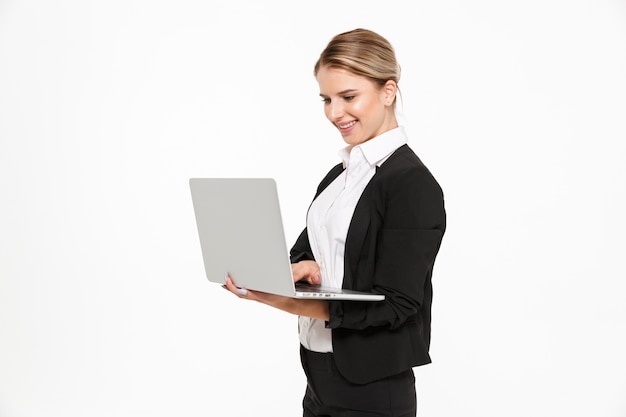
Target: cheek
point(364, 109)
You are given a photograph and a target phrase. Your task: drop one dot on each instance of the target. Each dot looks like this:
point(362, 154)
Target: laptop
point(241, 234)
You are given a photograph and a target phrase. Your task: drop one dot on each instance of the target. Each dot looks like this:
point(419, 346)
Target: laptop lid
point(241, 234)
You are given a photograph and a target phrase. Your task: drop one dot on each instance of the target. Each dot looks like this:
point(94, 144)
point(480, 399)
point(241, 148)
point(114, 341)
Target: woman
point(375, 224)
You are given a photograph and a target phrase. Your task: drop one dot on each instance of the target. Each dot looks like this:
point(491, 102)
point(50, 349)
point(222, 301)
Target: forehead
point(337, 80)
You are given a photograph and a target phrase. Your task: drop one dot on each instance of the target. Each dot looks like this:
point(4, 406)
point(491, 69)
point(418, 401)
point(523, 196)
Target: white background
point(107, 108)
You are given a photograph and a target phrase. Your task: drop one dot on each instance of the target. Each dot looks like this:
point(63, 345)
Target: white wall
point(108, 107)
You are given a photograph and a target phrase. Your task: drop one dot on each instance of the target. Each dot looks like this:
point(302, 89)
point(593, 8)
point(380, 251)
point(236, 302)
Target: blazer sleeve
point(406, 226)
point(301, 250)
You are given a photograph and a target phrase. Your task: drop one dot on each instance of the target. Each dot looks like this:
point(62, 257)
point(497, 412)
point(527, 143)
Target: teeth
point(347, 125)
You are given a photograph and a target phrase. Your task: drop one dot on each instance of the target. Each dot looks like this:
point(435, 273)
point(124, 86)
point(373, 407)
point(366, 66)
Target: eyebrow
point(341, 93)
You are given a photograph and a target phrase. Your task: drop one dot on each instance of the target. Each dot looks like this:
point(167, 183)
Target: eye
point(325, 100)
point(348, 98)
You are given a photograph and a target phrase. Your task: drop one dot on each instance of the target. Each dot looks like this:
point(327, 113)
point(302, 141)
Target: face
point(355, 105)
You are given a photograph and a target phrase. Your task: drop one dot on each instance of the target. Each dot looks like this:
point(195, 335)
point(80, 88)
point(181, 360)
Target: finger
point(230, 285)
point(314, 279)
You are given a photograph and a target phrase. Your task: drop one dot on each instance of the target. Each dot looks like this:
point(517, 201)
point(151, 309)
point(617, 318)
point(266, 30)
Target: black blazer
point(391, 245)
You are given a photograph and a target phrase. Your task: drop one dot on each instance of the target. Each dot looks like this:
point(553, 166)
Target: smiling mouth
point(347, 125)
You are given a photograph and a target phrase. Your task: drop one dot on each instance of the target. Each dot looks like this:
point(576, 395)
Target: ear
point(389, 90)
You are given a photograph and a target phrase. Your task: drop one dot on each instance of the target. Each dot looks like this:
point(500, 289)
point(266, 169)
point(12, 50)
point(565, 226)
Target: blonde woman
point(376, 224)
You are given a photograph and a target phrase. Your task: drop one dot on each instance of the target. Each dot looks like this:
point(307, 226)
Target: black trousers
point(329, 394)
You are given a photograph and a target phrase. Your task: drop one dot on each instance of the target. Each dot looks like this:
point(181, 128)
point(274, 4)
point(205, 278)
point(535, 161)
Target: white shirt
point(329, 217)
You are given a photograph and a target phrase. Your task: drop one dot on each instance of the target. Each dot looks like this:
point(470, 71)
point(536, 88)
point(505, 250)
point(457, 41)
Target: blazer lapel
point(359, 226)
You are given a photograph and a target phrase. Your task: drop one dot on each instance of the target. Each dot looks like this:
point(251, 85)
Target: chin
point(352, 138)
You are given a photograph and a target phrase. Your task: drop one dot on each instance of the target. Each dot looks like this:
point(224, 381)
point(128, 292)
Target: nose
point(335, 110)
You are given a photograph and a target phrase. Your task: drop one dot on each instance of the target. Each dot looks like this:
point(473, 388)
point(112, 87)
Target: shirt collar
point(378, 149)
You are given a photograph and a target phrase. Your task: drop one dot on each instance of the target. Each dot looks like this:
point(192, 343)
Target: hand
point(308, 271)
point(239, 292)
point(249, 294)
point(311, 308)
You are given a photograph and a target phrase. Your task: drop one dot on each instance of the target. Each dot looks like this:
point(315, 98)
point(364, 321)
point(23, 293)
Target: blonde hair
point(362, 52)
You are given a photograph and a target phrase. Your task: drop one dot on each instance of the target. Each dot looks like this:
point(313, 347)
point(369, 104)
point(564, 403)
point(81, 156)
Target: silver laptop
point(241, 234)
